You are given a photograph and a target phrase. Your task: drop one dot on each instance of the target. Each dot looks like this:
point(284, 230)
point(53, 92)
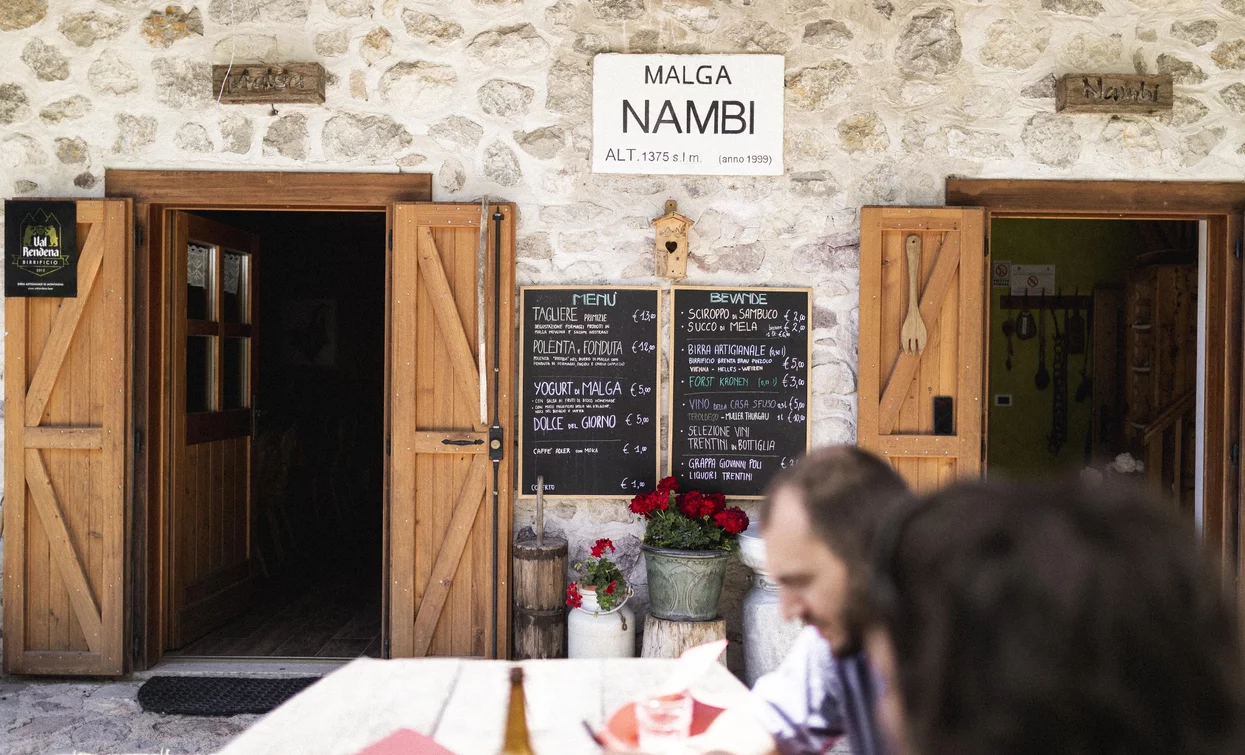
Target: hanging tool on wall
point(1059, 396)
point(1074, 325)
point(496, 437)
point(1009, 327)
point(1042, 378)
point(1026, 328)
point(912, 334)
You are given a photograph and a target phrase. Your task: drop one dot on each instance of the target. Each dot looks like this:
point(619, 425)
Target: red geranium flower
point(598, 548)
point(668, 485)
point(695, 505)
point(609, 589)
point(646, 503)
point(733, 520)
point(573, 598)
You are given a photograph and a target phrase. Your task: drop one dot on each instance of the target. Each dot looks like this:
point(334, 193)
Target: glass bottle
point(517, 741)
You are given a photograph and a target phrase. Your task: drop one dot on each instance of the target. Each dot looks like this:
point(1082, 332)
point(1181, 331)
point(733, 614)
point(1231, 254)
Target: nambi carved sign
point(264, 84)
point(1113, 93)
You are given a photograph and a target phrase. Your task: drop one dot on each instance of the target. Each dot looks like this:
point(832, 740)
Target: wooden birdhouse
point(670, 249)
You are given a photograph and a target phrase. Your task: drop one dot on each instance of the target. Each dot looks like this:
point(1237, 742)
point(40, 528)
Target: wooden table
point(462, 704)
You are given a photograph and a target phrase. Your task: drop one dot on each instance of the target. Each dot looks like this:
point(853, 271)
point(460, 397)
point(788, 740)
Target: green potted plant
point(688, 537)
point(600, 625)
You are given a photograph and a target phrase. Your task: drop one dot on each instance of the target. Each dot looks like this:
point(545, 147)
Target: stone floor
point(84, 716)
point(67, 716)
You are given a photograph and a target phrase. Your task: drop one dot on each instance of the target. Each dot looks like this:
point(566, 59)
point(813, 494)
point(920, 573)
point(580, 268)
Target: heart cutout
point(672, 246)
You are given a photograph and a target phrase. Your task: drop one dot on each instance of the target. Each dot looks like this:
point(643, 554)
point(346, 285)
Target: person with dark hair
point(818, 519)
point(1055, 620)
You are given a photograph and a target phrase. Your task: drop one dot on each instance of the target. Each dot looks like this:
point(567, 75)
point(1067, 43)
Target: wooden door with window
point(67, 393)
point(898, 388)
point(213, 363)
point(445, 285)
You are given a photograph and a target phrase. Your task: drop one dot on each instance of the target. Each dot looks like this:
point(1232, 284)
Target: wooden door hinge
point(1236, 251)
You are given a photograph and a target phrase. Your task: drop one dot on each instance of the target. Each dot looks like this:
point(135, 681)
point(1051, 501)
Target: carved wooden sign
point(1113, 93)
point(264, 84)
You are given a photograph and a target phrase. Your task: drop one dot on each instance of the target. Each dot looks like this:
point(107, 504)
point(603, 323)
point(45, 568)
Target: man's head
point(818, 519)
point(1053, 621)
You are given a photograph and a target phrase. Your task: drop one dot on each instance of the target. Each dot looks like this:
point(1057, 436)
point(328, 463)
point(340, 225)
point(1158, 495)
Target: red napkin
point(622, 725)
point(405, 742)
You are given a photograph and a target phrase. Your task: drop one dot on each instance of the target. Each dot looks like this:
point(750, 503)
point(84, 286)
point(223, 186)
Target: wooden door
point(67, 425)
point(898, 389)
point(213, 360)
point(440, 511)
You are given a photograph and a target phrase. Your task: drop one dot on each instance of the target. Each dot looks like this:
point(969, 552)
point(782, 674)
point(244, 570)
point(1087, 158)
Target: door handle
point(448, 442)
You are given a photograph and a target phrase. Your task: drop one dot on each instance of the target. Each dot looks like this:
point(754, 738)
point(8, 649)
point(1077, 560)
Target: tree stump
point(664, 638)
point(539, 599)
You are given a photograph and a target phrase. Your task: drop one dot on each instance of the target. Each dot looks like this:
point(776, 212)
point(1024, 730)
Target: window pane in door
point(200, 373)
point(236, 368)
point(200, 280)
point(236, 287)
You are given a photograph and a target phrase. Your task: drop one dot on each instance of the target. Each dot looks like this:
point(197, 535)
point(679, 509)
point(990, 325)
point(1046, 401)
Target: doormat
point(218, 695)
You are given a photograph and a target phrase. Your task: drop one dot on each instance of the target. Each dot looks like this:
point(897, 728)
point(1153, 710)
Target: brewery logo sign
point(40, 248)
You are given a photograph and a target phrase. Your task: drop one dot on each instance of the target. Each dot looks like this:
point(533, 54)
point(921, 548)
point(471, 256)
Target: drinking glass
point(663, 723)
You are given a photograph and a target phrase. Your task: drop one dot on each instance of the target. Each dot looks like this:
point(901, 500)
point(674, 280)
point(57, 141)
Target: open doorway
point(291, 567)
point(1093, 352)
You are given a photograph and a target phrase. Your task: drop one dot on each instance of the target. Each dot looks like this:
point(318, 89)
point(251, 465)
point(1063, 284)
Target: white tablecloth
point(462, 704)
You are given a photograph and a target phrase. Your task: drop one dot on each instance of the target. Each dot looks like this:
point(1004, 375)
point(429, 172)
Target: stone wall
point(885, 98)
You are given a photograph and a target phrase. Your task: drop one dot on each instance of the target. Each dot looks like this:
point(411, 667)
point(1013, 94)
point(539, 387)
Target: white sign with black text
point(718, 115)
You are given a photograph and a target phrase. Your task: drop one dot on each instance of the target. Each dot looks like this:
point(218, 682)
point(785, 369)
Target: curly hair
point(1057, 620)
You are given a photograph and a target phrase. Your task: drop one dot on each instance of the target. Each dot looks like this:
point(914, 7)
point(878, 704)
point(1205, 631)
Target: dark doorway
point(1098, 374)
point(317, 487)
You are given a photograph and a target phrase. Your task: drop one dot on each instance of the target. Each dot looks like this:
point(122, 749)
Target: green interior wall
point(1086, 253)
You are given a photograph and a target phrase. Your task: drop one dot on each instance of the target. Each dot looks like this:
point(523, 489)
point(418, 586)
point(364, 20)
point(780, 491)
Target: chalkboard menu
point(739, 393)
point(588, 390)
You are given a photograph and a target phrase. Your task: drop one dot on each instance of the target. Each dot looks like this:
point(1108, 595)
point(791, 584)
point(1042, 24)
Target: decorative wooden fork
point(912, 334)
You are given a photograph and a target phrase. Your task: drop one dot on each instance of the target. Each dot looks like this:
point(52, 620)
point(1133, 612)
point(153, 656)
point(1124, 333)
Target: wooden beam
point(931, 304)
point(81, 438)
point(313, 192)
point(466, 508)
point(63, 551)
point(458, 348)
point(1105, 199)
point(64, 327)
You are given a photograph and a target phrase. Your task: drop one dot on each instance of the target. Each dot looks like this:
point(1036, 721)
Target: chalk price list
point(589, 390)
point(741, 387)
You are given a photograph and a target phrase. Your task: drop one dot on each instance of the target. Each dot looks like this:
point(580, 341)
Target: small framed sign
point(708, 115)
point(41, 248)
point(291, 83)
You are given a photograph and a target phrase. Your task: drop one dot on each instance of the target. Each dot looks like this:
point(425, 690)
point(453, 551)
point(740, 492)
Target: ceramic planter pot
point(593, 633)
point(684, 585)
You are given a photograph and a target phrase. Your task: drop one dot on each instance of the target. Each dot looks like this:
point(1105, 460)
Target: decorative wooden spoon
point(912, 334)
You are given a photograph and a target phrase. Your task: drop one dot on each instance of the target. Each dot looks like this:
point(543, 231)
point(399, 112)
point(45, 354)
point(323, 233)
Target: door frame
point(154, 193)
point(1221, 205)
